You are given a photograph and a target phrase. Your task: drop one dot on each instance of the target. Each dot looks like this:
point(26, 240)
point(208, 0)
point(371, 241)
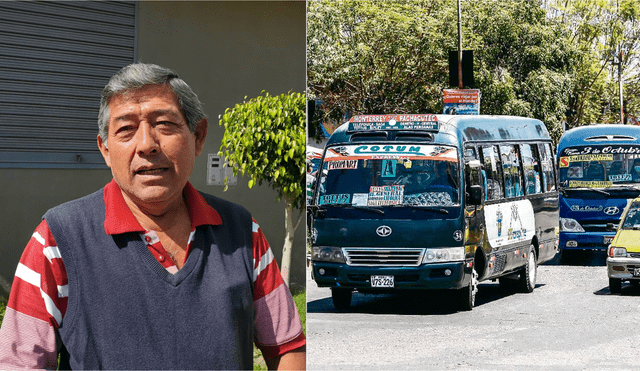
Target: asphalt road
point(570, 321)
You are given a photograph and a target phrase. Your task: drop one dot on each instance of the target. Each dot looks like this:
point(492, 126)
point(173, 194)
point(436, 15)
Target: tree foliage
point(265, 138)
point(368, 56)
point(530, 59)
point(610, 31)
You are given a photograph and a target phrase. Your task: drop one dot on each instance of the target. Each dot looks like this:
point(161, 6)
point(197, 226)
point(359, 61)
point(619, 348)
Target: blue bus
point(599, 172)
point(415, 202)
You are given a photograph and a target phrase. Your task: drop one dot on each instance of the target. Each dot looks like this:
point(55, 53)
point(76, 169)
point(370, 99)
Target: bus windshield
point(599, 166)
point(390, 175)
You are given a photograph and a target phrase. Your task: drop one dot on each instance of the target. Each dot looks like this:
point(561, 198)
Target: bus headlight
point(328, 254)
point(617, 252)
point(443, 254)
point(570, 225)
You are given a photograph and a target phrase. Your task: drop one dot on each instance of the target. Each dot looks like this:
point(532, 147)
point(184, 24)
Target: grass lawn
point(3, 305)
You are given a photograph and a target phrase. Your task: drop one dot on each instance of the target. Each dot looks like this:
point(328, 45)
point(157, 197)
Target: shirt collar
point(119, 219)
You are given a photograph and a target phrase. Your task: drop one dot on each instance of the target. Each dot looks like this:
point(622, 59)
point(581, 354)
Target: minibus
point(423, 201)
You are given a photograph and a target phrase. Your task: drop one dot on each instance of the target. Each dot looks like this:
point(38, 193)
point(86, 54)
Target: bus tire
point(467, 295)
point(615, 285)
point(341, 298)
point(528, 273)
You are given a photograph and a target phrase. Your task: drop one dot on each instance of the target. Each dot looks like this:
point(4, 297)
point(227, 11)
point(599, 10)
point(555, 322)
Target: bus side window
point(546, 159)
point(471, 154)
point(492, 166)
point(531, 164)
point(512, 174)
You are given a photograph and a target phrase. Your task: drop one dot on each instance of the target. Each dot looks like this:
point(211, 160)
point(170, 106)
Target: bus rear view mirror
point(476, 195)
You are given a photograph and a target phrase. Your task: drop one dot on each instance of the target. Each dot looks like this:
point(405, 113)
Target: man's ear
point(200, 133)
point(104, 150)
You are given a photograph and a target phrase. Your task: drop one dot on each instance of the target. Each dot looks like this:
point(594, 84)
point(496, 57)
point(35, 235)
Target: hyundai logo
point(611, 210)
point(383, 231)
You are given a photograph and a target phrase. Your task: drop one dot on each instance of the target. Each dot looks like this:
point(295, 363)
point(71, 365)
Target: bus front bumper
point(451, 275)
point(585, 240)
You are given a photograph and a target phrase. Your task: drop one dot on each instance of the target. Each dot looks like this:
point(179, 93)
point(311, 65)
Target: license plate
point(382, 281)
point(636, 272)
point(608, 239)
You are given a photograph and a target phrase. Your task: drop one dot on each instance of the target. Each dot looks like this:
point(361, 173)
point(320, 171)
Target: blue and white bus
point(599, 172)
point(415, 202)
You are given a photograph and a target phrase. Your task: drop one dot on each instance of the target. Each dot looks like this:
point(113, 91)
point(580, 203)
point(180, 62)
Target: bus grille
point(400, 257)
point(600, 226)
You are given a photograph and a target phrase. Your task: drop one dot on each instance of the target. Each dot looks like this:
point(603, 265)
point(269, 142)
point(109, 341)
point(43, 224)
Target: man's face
point(150, 149)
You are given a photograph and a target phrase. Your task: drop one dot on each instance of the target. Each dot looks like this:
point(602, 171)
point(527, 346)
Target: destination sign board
point(427, 122)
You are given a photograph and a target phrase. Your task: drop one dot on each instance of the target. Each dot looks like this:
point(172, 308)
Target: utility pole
point(459, 45)
point(617, 60)
point(620, 84)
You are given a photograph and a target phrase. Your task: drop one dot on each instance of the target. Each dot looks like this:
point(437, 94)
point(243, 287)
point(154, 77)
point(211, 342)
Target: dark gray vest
point(126, 311)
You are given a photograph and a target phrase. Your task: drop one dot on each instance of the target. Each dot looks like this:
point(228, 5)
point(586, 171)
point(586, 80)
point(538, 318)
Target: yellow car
point(623, 255)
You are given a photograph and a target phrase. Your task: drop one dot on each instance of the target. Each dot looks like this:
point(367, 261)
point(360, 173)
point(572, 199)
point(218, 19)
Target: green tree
point(367, 56)
point(265, 138)
point(610, 30)
point(524, 68)
point(370, 57)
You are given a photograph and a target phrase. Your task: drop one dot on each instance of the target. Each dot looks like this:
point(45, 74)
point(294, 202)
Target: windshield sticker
point(360, 199)
point(389, 168)
point(342, 164)
point(337, 199)
point(429, 199)
point(575, 172)
point(620, 178)
point(385, 195)
point(590, 184)
point(564, 161)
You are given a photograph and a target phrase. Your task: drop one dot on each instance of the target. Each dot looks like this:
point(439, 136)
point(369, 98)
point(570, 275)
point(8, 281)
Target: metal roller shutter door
point(55, 58)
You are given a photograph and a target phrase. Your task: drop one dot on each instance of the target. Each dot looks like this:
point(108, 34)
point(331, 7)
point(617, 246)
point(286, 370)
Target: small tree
point(265, 138)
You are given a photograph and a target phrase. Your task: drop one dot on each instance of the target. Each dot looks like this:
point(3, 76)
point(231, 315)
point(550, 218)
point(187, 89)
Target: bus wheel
point(468, 293)
point(527, 281)
point(615, 285)
point(341, 298)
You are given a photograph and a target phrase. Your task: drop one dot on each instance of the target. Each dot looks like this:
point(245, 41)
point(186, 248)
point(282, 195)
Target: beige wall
point(225, 51)
point(26, 195)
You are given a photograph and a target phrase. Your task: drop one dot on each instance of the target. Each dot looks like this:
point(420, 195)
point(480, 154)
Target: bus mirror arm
point(315, 211)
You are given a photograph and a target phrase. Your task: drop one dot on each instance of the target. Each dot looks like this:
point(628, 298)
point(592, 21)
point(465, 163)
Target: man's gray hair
point(138, 75)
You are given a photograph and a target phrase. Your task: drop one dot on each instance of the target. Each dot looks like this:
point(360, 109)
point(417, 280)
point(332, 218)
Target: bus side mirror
point(476, 195)
point(316, 212)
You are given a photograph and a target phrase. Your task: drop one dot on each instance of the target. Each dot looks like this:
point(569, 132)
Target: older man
point(148, 273)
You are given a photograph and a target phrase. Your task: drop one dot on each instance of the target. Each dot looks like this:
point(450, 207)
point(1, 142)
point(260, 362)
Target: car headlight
point(444, 254)
point(328, 254)
point(570, 225)
point(617, 252)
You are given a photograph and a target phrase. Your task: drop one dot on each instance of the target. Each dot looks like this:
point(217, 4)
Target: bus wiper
point(438, 209)
point(367, 208)
point(634, 187)
point(587, 189)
